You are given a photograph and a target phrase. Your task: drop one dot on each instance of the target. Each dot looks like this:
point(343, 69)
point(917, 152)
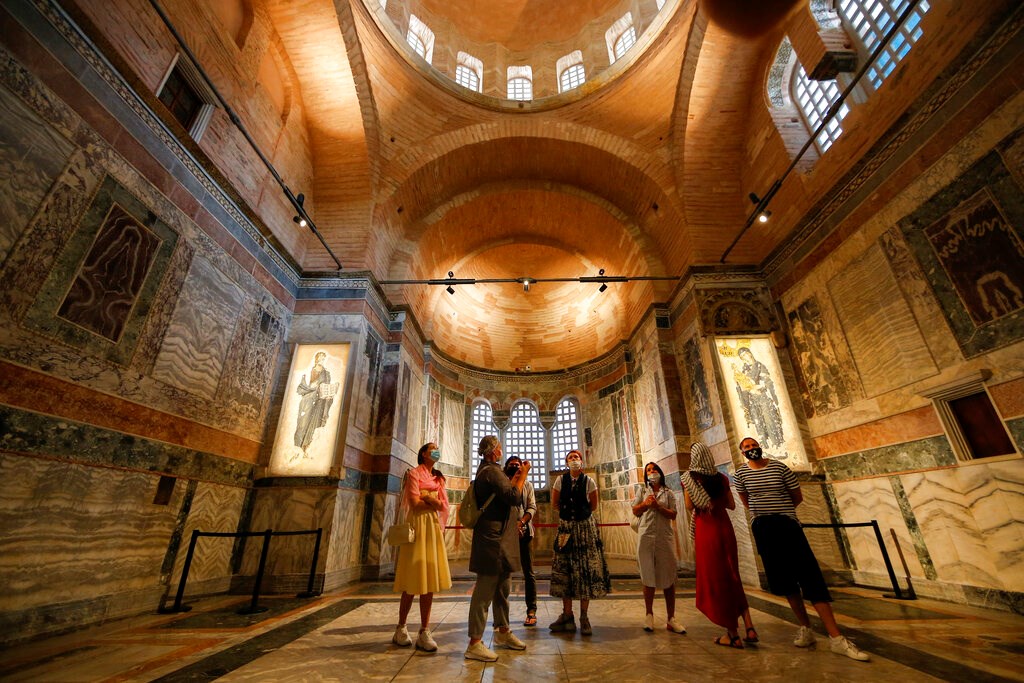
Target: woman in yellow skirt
point(423, 564)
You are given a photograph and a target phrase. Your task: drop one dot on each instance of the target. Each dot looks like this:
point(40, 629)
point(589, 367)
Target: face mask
point(575, 465)
point(654, 478)
point(435, 455)
point(753, 454)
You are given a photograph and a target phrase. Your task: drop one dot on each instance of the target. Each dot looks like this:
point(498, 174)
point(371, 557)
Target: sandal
point(751, 635)
point(725, 640)
point(531, 620)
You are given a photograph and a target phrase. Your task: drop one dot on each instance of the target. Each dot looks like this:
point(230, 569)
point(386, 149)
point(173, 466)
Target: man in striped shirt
point(771, 492)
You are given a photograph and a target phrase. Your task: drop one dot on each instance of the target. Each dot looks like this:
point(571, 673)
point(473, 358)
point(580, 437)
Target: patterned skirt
point(578, 568)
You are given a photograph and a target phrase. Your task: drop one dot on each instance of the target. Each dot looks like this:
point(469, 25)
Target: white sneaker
point(649, 622)
point(401, 637)
point(804, 637)
point(674, 626)
point(426, 641)
point(842, 646)
point(509, 640)
point(480, 653)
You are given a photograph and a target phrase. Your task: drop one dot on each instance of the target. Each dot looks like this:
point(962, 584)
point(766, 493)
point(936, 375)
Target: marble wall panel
point(32, 155)
point(970, 519)
point(251, 361)
point(367, 381)
point(71, 532)
point(883, 335)
point(874, 499)
point(454, 443)
point(194, 350)
point(815, 510)
point(291, 509)
point(345, 543)
point(214, 508)
point(968, 238)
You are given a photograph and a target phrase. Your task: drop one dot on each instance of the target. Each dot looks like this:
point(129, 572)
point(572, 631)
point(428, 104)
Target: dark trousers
point(529, 578)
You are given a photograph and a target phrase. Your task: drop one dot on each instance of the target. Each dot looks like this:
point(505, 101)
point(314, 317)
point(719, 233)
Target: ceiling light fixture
point(526, 283)
point(764, 216)
point(449, 288)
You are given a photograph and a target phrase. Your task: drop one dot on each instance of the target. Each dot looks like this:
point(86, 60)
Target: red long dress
point(720, 593)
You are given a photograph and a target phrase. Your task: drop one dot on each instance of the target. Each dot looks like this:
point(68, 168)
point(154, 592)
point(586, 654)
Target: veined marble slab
point(970, 518)
point(873, 499)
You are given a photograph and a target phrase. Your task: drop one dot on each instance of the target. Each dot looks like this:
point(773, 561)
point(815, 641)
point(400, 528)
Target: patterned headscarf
point(701, 462)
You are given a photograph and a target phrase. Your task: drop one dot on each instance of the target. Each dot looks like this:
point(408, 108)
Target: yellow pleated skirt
point(423, 564)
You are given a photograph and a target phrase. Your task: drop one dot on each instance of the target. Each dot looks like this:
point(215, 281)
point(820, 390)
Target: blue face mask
point(435, 454)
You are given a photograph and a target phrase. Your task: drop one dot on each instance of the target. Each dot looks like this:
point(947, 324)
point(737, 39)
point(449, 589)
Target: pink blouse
point(420, 480)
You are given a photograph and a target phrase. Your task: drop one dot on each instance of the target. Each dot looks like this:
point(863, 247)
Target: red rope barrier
point(553, 526)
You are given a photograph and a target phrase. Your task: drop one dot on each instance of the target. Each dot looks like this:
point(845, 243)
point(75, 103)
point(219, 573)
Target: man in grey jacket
point(494, 554)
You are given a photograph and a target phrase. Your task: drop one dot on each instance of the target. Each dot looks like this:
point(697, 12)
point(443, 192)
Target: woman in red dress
point(720, 593)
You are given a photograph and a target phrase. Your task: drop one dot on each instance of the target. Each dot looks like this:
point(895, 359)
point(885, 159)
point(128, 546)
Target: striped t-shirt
point(768, 488)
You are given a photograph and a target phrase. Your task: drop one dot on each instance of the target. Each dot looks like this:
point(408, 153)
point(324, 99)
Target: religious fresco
point(758, 398)
point(817, 362)
point(433, 431)
point(700, 397)
point(307, 431)
point(967, 238)
point(367, 382)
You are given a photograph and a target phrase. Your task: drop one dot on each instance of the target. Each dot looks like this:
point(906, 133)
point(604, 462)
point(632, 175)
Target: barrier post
point(180, 595)
point(254, 607)
point(888, 564)
point(310, 593)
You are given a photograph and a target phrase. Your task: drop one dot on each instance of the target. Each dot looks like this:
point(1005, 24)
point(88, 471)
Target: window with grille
point(481, 425)
point(870, 20)
point(520, 88)
point(525, 437)
point(813, 99)
point(625, 41)
point(572, 77)
point(565, 434)
point(467, 78)
point(420, 38)
point(187, 96)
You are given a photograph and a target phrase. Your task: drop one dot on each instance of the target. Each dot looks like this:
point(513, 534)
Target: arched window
point(420, 38)
point(520, 83)
point(570, 71)
point(469, 72)
point(565, 434)
point(870, 20)
point(481, 424)
point(620, 37)
point(660, 4)
point(814, 99)
point(525, 437)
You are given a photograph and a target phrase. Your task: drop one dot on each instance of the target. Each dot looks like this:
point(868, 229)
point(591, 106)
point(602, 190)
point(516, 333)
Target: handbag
point(401, 533)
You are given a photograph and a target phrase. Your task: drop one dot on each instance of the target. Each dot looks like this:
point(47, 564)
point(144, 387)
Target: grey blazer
point(495, 549)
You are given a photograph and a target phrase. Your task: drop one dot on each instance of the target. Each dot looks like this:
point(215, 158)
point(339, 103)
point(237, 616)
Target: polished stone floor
point(346, 636)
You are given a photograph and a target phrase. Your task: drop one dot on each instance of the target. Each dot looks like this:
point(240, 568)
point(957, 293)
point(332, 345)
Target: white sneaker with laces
point(674, 626)
point(480, 653)
point(841, 646)
point(401, 637)
point(509, 640)
point(426, 641)
point(804, 637)
point(649, 622)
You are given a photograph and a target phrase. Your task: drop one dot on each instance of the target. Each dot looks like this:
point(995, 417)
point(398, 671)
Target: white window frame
point(481, 424)
point(526, 437)
point(567, 68)
point(813, 99)
point(869, 20)
point(195, 79)
point(565, 432)
point(420, 37)
point(621, 32)
point(468, 64)
point(517, 75)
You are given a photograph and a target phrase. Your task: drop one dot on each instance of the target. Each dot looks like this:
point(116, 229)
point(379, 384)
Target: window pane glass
point(481, 425)
point(565, 435)
point(571, 78)
point(625, 41)
point(520, 89)
point(870, 20)
point(525, 437)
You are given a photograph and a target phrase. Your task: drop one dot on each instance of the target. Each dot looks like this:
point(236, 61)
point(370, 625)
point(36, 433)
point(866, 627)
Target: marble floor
point(346, 636)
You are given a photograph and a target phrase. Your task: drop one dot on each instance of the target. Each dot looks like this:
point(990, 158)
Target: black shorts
point(788, 560)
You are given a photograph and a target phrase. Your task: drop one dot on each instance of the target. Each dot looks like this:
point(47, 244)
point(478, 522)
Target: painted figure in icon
point(756, 391)
point(317, 397)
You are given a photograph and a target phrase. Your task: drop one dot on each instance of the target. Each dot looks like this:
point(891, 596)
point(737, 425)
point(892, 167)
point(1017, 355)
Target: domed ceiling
point(643, 176)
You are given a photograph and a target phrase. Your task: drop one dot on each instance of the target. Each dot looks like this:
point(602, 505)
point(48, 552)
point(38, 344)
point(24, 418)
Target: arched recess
point(236, 16)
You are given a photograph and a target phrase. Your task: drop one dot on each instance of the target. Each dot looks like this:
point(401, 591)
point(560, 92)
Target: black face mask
point(753, 454)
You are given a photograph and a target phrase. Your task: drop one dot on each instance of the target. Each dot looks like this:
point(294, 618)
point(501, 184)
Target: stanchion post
point(254, 607)
point(312, 566)
point(885, 558)
point(184, 575)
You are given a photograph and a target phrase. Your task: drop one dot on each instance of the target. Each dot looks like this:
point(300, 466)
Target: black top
point(573, 504)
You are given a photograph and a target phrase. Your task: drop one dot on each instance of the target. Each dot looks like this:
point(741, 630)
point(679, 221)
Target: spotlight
point(764, 216)
point(603, 287)
point(754, 199)
point(526, 284)
point(450, 289)
point(301, 221)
